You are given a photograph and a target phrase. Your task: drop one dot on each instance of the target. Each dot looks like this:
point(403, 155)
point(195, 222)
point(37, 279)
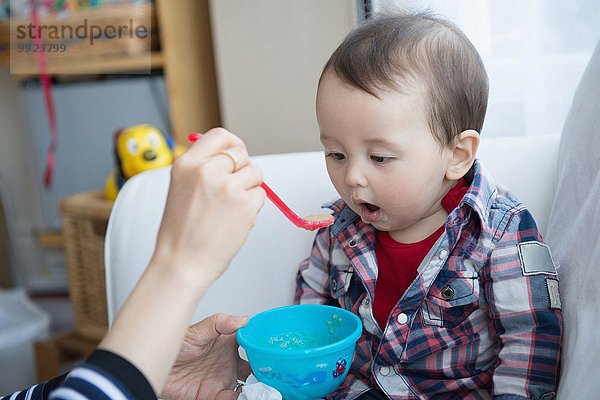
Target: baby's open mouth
point(366, 206)
point(370, 207)
point(368, 212)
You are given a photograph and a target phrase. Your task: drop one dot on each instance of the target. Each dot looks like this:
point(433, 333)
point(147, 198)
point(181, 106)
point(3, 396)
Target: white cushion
point(262, 275)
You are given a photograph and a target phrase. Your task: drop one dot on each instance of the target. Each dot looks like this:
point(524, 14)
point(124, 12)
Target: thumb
point(216, 325)
point(228, 324)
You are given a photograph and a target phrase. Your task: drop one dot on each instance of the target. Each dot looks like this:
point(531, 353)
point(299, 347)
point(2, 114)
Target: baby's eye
point(335, 156)
point(380, 159)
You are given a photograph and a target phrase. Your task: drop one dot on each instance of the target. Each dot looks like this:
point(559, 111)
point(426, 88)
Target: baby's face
point(382, 157)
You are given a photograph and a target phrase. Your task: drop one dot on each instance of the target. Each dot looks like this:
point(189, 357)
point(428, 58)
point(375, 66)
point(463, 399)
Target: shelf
point(106, 65)
point(186, 56)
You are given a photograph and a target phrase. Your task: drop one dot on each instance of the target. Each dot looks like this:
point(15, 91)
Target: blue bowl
point(303, 351)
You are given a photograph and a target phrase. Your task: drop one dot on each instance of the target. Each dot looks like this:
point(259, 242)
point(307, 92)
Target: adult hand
point(208, 364)
point(212, 203)
point(211, 206)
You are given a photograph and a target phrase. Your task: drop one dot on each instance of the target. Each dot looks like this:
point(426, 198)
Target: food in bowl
point(303, 351)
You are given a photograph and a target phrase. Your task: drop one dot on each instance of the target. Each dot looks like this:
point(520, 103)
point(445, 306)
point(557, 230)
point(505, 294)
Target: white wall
point(269, 55)
point(534, 51)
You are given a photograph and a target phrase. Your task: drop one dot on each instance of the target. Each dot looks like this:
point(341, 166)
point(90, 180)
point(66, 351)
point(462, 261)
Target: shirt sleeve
point(37, 392)
point(521, 287)
point(104, 375)
point(312, 281)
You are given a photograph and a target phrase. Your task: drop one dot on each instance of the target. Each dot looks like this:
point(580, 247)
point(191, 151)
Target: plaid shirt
point(482, 318)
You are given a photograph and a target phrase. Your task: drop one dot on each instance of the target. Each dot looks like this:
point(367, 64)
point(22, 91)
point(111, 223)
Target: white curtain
point(534, 50)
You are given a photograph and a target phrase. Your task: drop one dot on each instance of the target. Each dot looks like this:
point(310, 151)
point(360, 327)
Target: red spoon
point(310, 222)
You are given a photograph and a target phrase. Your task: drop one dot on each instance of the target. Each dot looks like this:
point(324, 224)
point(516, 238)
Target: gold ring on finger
point(232, 158)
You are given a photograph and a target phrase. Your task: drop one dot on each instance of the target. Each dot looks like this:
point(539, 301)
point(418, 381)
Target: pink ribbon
point(48, 99)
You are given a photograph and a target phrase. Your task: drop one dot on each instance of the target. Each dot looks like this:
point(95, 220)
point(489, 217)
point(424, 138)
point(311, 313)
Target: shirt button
point(334, 285)
point(366, 302)
point(385, 371)
point(443, 254)
point(402, 318)
point(352, 243)
point(448, 293)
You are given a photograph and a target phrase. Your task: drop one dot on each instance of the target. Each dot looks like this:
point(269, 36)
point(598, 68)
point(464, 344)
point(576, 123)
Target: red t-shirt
point(398, 262)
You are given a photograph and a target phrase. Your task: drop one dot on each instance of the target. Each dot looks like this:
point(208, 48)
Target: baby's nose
point(355, 177)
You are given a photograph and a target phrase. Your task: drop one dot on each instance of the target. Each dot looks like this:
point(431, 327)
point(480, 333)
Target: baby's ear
point(463, 154)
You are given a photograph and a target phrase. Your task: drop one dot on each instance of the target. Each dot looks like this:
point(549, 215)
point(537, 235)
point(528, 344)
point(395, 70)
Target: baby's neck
point(421, 229)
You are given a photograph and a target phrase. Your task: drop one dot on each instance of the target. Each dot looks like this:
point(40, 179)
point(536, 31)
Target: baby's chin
point(384, 225)
point(380, 223)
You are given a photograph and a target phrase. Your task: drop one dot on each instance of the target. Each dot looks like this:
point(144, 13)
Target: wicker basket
point(85, 218)
point(75, 47)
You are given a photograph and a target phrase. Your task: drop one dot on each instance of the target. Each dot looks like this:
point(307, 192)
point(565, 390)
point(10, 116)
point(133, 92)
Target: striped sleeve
point(521, 286)
point(104, 376)
point(312, 281)
point(37, 392)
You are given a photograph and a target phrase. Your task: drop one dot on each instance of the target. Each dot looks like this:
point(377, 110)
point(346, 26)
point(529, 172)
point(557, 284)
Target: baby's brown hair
point(389, 51)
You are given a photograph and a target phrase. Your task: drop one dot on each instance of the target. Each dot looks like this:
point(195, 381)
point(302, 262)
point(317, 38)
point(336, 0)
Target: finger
point(205, 330)
point(247, 177)
point(256, 198)
point(228, 161)
point(237, 156)
point(214, 141)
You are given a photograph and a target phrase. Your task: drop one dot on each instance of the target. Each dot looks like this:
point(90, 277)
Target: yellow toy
point(138, 148)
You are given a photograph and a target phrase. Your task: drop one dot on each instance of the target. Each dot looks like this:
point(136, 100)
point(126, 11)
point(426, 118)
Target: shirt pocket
point(452, 297)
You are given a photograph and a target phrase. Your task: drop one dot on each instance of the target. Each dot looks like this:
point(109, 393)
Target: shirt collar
point(344, 216)
point(481, 193)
